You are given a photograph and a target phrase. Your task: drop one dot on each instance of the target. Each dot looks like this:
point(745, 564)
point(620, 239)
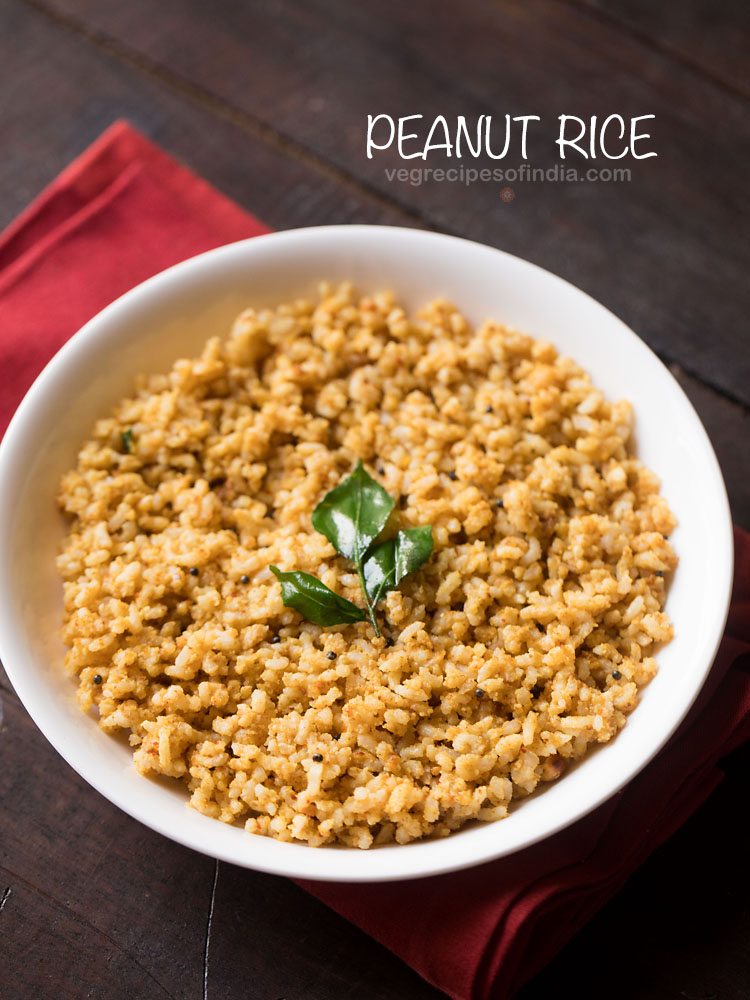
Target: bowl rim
point(326, 863)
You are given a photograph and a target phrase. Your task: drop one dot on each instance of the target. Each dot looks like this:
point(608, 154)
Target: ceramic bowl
point(172, 315)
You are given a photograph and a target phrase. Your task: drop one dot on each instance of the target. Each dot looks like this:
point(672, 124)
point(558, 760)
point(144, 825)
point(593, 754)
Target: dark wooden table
point(268, 100)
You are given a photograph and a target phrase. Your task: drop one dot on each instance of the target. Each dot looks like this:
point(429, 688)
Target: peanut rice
point(523, 640)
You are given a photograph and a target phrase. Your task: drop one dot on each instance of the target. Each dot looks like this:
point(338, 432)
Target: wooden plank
point(300, 951)
point(95, 904)
point(666, 251)
point(50, 72)
point(50, 115)
point(712, 37)
point(60, 93)
point(728, 426)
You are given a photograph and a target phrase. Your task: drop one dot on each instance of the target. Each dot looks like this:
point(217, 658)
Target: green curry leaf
point(315, 601)
point(353, 514)
point(127, 440)
point(389, 562)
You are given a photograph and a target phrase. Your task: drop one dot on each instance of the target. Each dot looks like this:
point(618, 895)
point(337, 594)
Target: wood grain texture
point(311, 72)
point(58, 93)
point(710, 36)
point(265, 100)
point(98, 906)
point(728, 426)
point(92, 904)
point(61, 92)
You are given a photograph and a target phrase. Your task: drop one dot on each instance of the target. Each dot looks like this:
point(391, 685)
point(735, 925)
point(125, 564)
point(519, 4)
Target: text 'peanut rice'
point(524, 639)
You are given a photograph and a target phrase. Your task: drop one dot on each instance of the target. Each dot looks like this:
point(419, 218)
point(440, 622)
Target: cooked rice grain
point(523, 640)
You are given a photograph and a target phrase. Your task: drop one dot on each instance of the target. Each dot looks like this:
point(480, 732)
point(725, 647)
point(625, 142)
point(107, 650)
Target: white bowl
point(171, 316)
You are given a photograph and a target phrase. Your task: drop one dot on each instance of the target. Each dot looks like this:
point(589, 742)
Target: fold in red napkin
point(123, 211)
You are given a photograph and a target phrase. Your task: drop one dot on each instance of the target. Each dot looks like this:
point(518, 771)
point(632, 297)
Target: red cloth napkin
point(120, 213)
point(123, 211)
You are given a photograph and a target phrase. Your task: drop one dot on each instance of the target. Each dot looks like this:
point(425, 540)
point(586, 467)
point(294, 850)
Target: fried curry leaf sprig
point(352, 517)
